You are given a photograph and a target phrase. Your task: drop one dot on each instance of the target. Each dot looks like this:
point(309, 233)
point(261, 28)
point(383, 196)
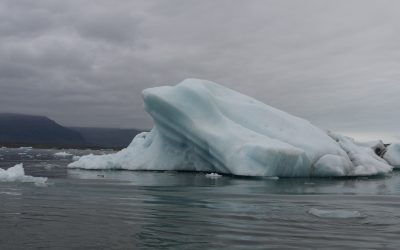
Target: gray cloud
point(85, 63)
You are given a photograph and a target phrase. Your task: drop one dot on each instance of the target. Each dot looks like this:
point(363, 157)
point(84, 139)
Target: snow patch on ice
point(336, 214)
point(17, 173)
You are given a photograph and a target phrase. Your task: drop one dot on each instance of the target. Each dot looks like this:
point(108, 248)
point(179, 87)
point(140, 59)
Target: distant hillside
point(107, 137)
point(40, 131)
point(36, 130)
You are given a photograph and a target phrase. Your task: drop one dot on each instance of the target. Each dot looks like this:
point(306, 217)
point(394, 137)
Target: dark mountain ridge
point(107, 137)
point(40, 131)
point(30, 129)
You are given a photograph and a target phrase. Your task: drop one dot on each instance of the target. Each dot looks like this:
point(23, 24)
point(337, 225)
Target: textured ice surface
point(338, 214)
point(17, 173)
point(364, 161)
point(392, 155)
point(202, 126)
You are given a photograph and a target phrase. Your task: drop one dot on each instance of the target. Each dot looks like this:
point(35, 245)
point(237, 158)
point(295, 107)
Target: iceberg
point(203, 126)
point(17, 173)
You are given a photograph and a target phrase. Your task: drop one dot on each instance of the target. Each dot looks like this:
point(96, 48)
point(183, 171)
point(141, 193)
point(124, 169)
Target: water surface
point(80, 209)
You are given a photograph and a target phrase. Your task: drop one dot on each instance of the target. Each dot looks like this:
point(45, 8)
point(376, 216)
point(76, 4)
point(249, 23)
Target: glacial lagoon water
point(80, 209)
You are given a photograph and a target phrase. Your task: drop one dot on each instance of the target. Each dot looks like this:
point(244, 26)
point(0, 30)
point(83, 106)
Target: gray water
point(81, 209)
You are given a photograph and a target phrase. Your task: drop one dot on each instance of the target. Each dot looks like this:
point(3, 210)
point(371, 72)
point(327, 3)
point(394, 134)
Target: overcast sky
point(85, 63)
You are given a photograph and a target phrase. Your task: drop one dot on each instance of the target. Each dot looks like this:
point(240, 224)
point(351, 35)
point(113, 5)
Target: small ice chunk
point(11, 193)
point(48, 167)
point(62, 154)
point(40, 184)
point(17, 173)
point(25, 148)
point(213, 175)
point(337, 214)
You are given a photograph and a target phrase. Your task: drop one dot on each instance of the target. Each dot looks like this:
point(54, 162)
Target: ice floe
point(213, 175)
point(62, 154)
point(335, 214)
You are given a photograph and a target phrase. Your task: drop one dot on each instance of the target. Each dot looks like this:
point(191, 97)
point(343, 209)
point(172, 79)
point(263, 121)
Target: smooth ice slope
point(203, 126)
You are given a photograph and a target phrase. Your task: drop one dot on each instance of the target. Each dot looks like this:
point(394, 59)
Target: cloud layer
point(84, 63)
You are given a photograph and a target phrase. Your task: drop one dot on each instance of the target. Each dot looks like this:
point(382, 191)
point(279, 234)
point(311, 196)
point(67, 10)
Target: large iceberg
point(202, 126)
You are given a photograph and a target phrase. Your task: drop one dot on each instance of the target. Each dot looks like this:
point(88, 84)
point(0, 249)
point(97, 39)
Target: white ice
point(62, 154)
point(338, 214)
point(25, 148)
point(392, 155)
point(17, 173)
point(213, 175)
point(202, 126)
point(75, 158)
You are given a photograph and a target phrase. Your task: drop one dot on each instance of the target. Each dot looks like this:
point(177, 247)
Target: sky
point(85, 63)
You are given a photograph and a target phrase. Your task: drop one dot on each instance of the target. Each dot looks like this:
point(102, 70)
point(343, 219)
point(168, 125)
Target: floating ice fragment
point(62, 154)
point(25, 148)
point(213, 175)
point(75, 158)
point(48, 167)
point(17, 173)
point(11, 193)
point(339, 214)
